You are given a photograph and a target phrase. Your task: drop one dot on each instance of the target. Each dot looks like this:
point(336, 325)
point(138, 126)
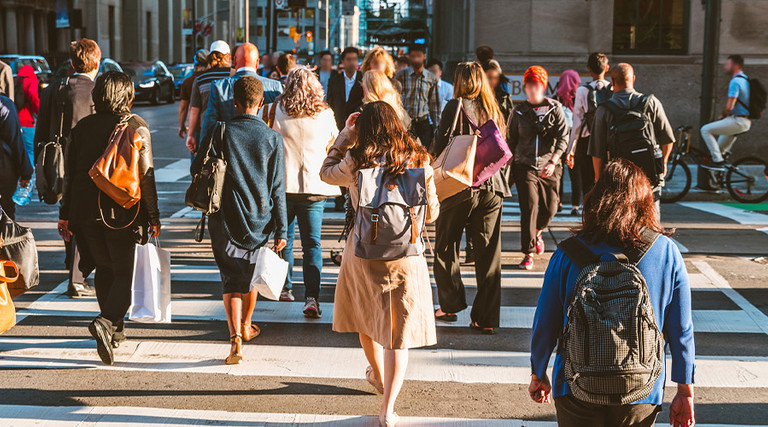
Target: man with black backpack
point(62, 105)
point(746, 101)
point(15, 167)
point(588, 97)
point(631, 126)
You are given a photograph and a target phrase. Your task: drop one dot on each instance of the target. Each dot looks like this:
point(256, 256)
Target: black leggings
point(539, 199)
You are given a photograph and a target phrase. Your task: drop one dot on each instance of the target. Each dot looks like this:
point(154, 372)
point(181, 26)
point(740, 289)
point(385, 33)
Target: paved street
point(299, 372)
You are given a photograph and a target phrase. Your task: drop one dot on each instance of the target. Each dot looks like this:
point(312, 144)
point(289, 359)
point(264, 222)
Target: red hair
point(536, 74)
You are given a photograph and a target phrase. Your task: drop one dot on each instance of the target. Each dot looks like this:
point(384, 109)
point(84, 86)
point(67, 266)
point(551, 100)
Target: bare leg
point(233, 305)
point(395, 363)
point(374, 352)
point(249, 304)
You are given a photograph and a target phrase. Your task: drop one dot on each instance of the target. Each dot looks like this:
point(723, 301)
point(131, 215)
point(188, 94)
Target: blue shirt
point(669, 288)
point(445, 93)
point(739, 88)
point(221, 101)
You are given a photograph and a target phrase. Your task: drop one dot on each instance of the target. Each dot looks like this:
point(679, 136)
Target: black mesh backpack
point(612, 349)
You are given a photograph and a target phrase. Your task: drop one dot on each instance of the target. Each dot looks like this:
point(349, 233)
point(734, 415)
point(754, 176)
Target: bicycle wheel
point(746, 180)
point(677, 182)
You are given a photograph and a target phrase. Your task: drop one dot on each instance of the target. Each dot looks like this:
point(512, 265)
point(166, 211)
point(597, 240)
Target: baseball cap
point(201, 56)
point(220, 46)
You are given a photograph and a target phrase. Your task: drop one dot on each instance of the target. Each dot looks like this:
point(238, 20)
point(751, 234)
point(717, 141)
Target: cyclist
point(734, 120)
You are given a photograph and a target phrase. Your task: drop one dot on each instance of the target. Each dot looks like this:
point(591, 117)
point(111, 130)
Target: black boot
point(102, 331)
point(119, 336)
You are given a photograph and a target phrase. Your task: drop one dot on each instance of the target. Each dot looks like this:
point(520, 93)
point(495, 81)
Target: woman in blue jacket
point(616, 212)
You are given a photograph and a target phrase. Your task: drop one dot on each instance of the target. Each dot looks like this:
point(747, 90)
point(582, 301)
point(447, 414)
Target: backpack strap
point(750, 89)
point(60, 102)
point(578, 252)
point(636, 254)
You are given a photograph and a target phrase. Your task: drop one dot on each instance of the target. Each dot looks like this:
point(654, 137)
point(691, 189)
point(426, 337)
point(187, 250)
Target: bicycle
point(746, 179)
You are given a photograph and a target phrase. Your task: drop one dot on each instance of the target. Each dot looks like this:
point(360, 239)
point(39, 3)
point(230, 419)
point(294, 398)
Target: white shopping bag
point(269, 273)
point(151, 287)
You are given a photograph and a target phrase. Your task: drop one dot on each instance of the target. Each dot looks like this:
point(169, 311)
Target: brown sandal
point(250, 331)
point(236, 351)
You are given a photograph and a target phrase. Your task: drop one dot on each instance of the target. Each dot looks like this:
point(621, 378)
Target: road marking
point(757, 317)
point(512, 317)
point(173, 172)
point(181, 213)
point(24, 415)
point(739, 215)
point(49, 296)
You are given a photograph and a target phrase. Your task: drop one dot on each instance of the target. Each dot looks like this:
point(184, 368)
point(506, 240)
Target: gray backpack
point(612, 349)
point(391, 212)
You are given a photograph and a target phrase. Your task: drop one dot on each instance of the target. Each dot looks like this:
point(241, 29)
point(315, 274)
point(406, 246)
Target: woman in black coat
point(106, 233)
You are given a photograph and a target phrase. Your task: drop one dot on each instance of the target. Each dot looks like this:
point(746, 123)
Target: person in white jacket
point(309, 129)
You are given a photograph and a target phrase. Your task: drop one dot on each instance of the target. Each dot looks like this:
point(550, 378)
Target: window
point(260, 12)
point(260, 30)
point(309, 13)
point(650, 26)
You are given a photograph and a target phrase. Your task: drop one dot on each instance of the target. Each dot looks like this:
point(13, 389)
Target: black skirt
point(235, 264)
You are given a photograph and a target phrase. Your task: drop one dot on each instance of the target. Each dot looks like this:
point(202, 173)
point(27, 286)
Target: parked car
point(152, 81)
point(38, 63)
point(180, 73)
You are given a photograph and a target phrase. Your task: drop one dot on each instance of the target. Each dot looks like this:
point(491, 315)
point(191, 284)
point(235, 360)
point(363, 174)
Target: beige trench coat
point(390, 301)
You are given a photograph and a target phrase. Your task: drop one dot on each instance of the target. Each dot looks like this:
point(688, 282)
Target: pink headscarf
point(566, 87)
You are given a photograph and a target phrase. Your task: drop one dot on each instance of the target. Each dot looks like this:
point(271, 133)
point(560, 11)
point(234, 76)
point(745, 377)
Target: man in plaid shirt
point(420, 95)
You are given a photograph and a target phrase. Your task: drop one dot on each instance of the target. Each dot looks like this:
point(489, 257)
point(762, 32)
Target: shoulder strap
point(459, 109)
point(578, 252)
point(635, 255)
point(272, 114)
point(60, 102)
point(642, 106)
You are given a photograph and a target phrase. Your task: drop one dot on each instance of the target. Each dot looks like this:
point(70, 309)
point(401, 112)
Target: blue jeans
point(28, 135)
point(309, 216)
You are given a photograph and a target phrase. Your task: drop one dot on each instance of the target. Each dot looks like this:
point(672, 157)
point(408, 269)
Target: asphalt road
point(301, 367)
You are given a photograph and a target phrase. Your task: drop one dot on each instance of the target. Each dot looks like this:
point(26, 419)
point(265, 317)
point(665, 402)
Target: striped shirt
point(202, 86)
point(420, 94)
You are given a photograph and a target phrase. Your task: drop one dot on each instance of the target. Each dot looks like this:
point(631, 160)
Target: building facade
point(663, 40)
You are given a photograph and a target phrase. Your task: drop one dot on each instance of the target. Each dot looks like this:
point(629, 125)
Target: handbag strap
point(104, 220)
point(459, 109)
point(60, 102)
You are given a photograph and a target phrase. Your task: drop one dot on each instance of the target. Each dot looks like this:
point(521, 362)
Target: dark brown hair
point(619, 207)
point(381, 134)
point(248, 91)
point(85, 55)
point(286, 62)
point(597, 62)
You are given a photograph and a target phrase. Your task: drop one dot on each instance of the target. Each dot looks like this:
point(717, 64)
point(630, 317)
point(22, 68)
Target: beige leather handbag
point(453, 167)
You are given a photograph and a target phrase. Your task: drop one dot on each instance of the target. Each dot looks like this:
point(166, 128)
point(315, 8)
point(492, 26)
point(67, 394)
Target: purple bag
point(492, 151)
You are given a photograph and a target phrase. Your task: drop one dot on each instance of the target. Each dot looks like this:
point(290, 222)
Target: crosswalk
point(719, 312)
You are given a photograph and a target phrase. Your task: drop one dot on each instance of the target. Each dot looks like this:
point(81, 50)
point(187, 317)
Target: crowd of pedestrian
point(370, 135)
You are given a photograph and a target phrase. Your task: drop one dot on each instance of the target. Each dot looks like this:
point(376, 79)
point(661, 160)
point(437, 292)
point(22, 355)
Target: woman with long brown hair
point(479, 207)
point(619, 217)
point(388, 303)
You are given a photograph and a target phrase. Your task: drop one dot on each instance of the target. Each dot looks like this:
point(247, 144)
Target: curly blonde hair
point(378, 87)
point(379, 52)
point(303, 94)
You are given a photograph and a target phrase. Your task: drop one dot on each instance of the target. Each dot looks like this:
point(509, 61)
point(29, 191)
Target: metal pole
point(247, 22)
point(709, 74)
point(268, 27)
point(327, 23)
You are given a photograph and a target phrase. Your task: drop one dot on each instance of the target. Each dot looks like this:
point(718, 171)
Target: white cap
point(220, 46)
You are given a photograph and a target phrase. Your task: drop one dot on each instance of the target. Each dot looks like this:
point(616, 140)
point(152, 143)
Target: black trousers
point(112, 252)
point(582, 174)
point(482, 209)
point(423, 130)
point(539, 198)
point(9, 178)
point(572, 412)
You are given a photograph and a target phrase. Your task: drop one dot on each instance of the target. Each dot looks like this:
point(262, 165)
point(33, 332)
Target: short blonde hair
point(379, 52)
point(378, 87)
point(303, 94)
